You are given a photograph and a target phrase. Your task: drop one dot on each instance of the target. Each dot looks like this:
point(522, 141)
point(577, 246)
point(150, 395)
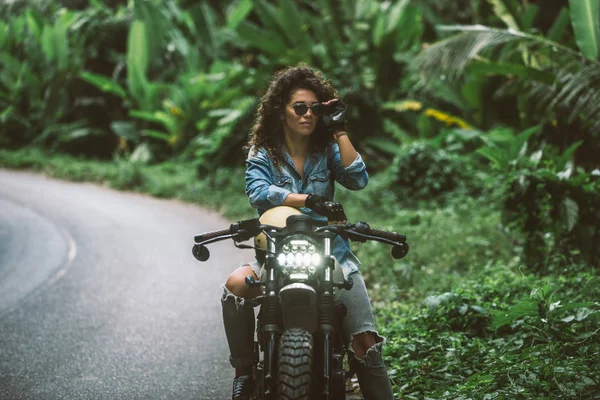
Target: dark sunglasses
point(301, 108)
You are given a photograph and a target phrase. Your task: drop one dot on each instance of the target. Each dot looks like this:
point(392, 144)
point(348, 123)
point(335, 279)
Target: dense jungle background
point(479, 121)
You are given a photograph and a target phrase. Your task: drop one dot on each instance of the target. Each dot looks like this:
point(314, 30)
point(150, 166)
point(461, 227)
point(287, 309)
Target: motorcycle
point(299, 349)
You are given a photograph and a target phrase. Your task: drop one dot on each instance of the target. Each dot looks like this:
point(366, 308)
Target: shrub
point(422, 171)
point(559, 217)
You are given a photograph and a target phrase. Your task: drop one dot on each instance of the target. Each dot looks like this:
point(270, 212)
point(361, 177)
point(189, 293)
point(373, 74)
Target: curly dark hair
point(267, 130)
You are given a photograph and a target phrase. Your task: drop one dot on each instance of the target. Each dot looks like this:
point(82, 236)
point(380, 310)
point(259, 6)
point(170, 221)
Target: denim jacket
point(268, 186)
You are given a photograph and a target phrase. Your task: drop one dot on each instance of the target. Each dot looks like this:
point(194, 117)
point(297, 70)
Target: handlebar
point(244, 230)
point(392, 236)
point(362, 228)
point(211, 235)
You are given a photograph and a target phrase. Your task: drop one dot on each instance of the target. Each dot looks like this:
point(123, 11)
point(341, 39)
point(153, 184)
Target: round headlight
point(282, 259)
point(316, 259)
point(290, 259)
point(307, 259)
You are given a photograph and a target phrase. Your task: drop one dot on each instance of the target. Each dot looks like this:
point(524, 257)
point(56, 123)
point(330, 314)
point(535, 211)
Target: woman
point(298, 147)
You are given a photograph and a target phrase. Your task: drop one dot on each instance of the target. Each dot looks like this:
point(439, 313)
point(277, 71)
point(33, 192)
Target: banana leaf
point(137, 62)
point(585, 15)
point(559, 26)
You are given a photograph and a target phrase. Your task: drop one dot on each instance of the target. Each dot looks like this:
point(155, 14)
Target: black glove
point(330, 209)
point(334, 116)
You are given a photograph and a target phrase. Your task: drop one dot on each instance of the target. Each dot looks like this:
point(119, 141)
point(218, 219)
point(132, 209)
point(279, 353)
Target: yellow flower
point(447, 118)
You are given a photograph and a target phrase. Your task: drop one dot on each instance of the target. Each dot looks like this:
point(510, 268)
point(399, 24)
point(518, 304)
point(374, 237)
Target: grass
point(464, 316)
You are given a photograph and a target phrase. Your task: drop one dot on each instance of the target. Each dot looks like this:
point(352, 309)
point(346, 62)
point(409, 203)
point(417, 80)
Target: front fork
point(332, 374)
point(271, 329)
point(326, 325)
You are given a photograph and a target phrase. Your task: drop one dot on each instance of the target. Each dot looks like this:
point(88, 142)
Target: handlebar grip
point(210, 235)
point(393, 236)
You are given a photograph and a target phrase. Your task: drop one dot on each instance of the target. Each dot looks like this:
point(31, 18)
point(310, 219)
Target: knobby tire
point(295, 365)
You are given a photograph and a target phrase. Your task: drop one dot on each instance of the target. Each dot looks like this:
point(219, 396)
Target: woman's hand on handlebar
point(321, 205)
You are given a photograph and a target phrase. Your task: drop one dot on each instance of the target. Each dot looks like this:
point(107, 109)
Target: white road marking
point(72, 253)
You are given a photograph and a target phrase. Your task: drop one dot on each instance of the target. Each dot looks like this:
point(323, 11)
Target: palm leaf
point(574, 93)
point(522, 71)
point(565, 80)
point(453, 54)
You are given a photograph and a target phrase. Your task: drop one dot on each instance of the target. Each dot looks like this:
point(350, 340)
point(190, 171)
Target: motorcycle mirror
point(200, 252)
point(399, 251)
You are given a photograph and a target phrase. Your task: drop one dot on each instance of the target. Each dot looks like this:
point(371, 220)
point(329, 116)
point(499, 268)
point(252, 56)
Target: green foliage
point(585, 15)
point(557, 215)
point(546, 198)
point(559, 80)
point(39, 60)
point(446, 241)
point(103, 83)
point(505, 149)
point(508, 11)
point(421, 171)
point(543, 347)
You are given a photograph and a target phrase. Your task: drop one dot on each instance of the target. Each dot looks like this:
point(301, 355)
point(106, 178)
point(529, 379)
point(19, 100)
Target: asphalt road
point(100, 297)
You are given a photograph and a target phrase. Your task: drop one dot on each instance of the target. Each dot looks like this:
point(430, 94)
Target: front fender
point(299, 307)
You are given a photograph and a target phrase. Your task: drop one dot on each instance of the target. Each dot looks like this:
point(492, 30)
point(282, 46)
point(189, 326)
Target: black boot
point(243, 388)
point(239, 329)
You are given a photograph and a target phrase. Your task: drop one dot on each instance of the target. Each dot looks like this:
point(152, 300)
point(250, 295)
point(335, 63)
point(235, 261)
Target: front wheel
point(295, 365)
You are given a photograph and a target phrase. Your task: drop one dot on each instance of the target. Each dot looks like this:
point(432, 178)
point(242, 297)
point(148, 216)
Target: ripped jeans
point(238, 318)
